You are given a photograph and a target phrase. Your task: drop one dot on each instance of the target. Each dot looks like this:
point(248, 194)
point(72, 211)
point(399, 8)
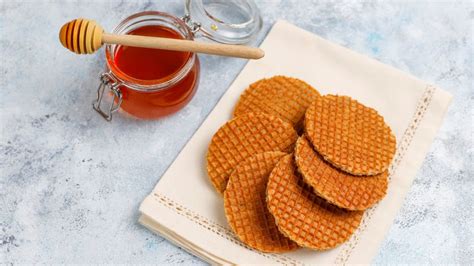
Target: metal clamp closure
point(194, 26)
point(107, 81)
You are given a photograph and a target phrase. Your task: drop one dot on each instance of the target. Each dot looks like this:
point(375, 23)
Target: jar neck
point(146, 19)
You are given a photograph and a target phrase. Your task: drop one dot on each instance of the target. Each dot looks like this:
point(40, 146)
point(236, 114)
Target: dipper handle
point(83, 36)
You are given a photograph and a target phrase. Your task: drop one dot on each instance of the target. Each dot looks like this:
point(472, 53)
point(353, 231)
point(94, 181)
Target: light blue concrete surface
point(71, 183)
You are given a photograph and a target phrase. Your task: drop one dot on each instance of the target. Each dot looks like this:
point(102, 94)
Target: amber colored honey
point(152, 66)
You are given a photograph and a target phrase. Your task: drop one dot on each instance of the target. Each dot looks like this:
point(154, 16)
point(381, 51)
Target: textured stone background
point(70, 183)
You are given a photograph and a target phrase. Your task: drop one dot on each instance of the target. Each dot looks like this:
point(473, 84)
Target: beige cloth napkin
point(185, 209)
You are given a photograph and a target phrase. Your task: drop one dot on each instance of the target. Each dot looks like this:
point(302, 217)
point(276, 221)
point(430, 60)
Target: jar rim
point(156, 84)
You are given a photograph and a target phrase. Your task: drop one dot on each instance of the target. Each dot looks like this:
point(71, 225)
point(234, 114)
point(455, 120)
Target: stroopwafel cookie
point(283, 96)
point(245, 205)
point(351, 136)
point(339, 188)
point(243, 137)
point(301, 215)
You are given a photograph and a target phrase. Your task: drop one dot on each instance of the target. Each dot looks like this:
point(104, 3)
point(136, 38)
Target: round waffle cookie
point(351, 136)
point(305, 218)
point(243, 137)
point(245, 206)
point(286, 97)
point(339, 188)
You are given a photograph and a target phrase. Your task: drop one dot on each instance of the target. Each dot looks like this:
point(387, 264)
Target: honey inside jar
point(150, 64)
point(176, 85)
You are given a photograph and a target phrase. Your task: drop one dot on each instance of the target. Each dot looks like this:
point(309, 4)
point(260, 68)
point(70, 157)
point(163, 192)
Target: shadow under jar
point(152, 83)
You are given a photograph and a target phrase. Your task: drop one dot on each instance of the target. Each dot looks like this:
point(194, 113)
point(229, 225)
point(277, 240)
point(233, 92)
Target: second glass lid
point(225, 21)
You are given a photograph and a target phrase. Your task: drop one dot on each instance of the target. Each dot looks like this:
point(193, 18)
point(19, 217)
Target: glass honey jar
point(152, 83)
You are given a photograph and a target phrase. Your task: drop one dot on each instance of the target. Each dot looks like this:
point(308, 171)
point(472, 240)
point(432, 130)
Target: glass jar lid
point(225, 21)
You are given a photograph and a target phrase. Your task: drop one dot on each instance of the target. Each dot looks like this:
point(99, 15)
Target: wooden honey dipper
point(83, 36)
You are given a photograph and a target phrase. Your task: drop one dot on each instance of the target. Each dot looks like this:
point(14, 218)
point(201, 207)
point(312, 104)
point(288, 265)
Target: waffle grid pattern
point(351, 136)
point(245, 205)
point(216, 228)
point(423, 104)
point(243, 137)
point(286, 97)
point(339, 188)
point(304, 217)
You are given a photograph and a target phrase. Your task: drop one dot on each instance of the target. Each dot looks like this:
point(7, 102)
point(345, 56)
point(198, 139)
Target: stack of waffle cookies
point(296, 168)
